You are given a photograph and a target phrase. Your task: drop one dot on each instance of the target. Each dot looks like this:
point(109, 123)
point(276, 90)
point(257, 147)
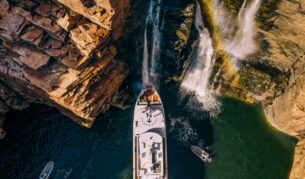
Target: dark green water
point(242, 144)
point(246, 147)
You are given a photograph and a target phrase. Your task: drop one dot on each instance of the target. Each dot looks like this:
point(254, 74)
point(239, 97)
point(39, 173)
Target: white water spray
point(197, 78)
point(239, 36)
point(243, 43)
point(151, 55)
point(239, 43)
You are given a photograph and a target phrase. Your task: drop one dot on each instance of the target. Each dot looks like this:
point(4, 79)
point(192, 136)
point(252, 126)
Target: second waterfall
point(152, 38)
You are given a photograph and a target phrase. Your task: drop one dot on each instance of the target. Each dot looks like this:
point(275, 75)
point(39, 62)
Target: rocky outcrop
point(179, 37)
point(298, 166)
point(287, 112)
point(286, 53)
point(62, 54)
point(100, 12)
point(283, 37)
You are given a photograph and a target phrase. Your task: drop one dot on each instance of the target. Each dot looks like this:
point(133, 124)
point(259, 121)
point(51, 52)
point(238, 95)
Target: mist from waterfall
point(197, 77)
point(152, 38)
point(239, 36)
point(243, 43)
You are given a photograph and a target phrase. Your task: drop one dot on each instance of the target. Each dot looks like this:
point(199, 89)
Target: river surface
point(241, 143)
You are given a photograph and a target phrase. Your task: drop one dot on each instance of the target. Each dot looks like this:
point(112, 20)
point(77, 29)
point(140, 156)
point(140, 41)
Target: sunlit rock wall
point(297, 171)
point(286, 53)
point(274, 75)
point(61, 53)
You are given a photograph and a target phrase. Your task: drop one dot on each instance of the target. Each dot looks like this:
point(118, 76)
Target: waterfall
point(197, 78)
point(145, 75)
point(243, 43)
point(239, 36)
point(151, 52)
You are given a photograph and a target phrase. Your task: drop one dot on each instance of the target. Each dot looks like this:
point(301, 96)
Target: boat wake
point(184, 132)
point(63, 173)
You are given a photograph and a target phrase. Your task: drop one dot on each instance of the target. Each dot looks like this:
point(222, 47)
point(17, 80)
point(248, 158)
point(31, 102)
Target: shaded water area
point(243, 145)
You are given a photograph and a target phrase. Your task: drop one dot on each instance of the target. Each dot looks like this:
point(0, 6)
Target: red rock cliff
point(61, 53)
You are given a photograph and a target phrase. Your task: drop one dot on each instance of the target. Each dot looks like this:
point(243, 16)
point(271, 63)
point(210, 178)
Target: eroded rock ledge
point(61, 53)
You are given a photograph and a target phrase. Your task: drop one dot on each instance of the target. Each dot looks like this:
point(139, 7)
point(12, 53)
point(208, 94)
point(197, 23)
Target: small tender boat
point(203, 155)
point(47, 170)
point(149, 137)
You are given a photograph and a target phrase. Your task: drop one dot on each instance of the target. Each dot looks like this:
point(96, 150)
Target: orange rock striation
point(61, 53)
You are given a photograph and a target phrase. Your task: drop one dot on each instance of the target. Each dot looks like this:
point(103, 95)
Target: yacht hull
point(149, 137)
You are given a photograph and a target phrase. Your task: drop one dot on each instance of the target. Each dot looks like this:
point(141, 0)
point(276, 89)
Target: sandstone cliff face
point(287, 112)
point(298, 166)
point(61, 53)
point(287, 53)
point(179, 37)
point(274, 75)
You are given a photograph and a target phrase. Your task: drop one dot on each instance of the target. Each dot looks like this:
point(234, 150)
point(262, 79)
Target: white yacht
point(149, 137)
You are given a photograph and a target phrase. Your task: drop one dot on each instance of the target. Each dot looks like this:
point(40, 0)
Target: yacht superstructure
point(149, 137)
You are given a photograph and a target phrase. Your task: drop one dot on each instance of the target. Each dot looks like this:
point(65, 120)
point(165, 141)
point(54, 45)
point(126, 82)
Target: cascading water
point(197, 78)
point(238, 43)
point(243, 43)
point(151, 52)
point(239, 36)
point(145, 74)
